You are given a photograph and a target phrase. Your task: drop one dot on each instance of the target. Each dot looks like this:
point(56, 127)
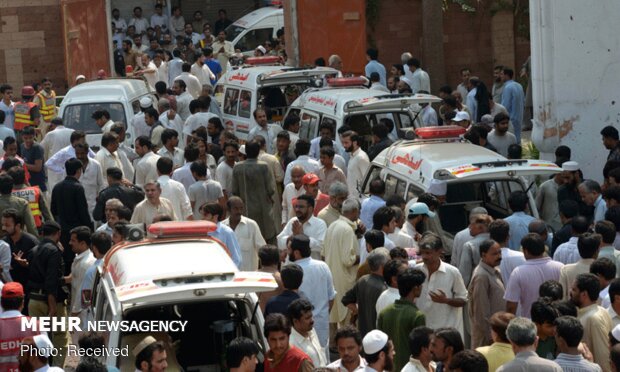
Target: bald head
point(335, 61)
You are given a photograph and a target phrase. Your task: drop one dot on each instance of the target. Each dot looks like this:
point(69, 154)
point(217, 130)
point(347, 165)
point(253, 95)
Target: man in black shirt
point(21, 244)
point(69, 207)
point(129, 195)
point(48, 291)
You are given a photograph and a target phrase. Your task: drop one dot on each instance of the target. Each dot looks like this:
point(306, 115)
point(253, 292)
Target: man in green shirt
point(544, 315)
point(400, 318)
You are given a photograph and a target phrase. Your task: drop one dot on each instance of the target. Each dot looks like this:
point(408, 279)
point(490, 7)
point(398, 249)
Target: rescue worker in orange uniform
point(11, 334)
point(33, 195)
point(26, 112)
point(46, 100)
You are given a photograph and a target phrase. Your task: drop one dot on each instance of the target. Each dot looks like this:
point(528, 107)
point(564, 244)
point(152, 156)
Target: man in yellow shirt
point(500, 351)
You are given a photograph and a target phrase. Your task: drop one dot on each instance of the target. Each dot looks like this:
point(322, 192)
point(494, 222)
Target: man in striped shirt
point(569, 332)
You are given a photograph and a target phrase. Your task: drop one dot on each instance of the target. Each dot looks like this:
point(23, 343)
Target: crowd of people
point(157, 49)
point(376, 281)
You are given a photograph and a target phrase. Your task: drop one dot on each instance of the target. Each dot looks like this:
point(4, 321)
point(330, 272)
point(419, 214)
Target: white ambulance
point(348, 101)
point(180, 275)
point(120, 97)
point(475, 176)
point(263, 83)
point(253, 29)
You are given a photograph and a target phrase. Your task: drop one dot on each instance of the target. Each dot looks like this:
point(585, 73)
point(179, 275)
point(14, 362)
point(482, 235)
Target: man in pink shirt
point(525, 280)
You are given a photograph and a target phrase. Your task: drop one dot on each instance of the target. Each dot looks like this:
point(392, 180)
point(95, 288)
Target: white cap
point(407, 81)
point(570, 166)
point(438, 187)
point(374, 341)
point(148, 340)
point(80, 77)
point(242, 149)
point(146, 102)
point(45, 348)
point(461, 115)
point(262, 49)
point(616, 332)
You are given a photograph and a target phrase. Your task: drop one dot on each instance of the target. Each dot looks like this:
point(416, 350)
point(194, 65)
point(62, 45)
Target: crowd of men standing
point(376, 276)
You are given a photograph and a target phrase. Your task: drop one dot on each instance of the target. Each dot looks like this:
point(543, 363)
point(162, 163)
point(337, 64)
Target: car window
point(330, 121)
point(394, 186)
point(462, 197)
point(245, 104)
point(308, 126)
point(135, 106)
point(79, 117)
point(413, 192)
point(231, 101)
point(374, 172)
point(254, 38)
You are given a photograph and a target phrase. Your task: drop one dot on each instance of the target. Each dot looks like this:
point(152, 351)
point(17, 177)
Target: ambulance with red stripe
point(179, 274)
point(348, 101)
point(263, 82)
point(475, 176)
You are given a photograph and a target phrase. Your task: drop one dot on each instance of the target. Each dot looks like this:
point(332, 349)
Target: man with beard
point(569, 190)
point(338, 193)
point(611, 141)
point(500, 137)
point(358, 162)
point(498, 84)
point(38, 350)
point(317, 285)
point(445, 343)
point(349, 345)
point(595, 319)
point(304, 223)
point(379, 351)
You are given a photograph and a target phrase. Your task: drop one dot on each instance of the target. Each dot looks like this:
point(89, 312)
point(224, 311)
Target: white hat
point(262, 49)
point(242, 149)
point(570, 166)
point(146, 102)
point(461, 115)
point(45, 348)
point(80, 77)
point(407, 81)
point(616, 332)
point(374, 341)
point(438, 187)
point(148, 340)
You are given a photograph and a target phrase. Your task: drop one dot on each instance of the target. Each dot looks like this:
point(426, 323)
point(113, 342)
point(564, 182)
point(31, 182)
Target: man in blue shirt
point(513, 99)
point(213, 64)
point(370, 205)
point(373, 65)
point(518, 220)
point(215, 213)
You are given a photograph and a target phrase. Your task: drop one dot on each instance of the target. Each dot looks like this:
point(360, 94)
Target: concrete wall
point(30, 44)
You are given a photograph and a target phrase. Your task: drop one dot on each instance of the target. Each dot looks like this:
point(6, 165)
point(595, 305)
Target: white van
point(475, 176)
point(253, 29)
point(347, 101)
point(180, 274)
point(240, 91)
point(120, 97)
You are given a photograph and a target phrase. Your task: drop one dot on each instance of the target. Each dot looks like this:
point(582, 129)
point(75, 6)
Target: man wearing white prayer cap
point(379, 351)
point(438, 189)
point(150, 355)
point(35, 354)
